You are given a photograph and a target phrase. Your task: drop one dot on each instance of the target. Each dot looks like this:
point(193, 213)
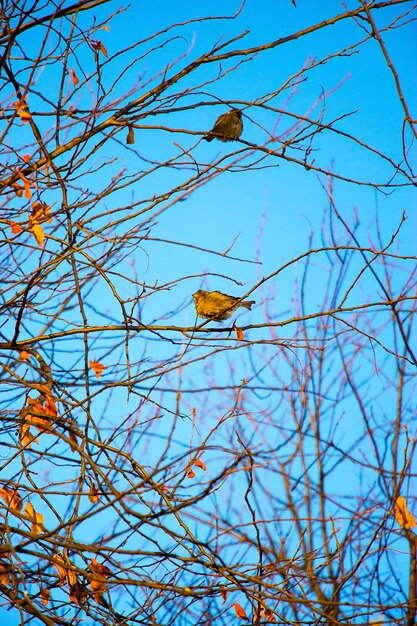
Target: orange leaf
point(200, 464)
point(26, 158)
point(24, 355)
point(240, 612)
point(224, 596)
point(44, 389)
point(18, 189)
point(41, 212)
point(22, 110)
point(239, 332)
point(26, 184)
point(11, 498)
point(190, 473)
point(74, 77)
point(100, 569)
point(45, 593)
point(403, 515)
point(16, 228)
point(50, 407)
point(97, 368)
point(35, 518)
point(39, 234)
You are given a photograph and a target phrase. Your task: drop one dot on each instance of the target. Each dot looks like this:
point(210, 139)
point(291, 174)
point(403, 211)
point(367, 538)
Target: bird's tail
point(247, 304)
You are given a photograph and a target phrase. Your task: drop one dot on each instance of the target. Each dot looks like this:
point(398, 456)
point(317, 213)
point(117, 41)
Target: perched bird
point(215, 305)
point(228, 127)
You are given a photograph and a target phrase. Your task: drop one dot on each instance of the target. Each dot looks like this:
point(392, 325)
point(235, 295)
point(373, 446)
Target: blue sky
point(271, 214)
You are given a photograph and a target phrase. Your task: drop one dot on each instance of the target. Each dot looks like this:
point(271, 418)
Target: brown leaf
point(22, 110)
point(11, 498)
point(74, 77)
point(98, 583)
point(50, 407)
point(224, 596)
point(98, 46)
point(130, 139)
point(45, 593)
point(403, 515)
point(78, 593)
point(240, 612)
point(4, 573)
point(16, 228)
point(97, 368)
point(35, 518)
point(26, 436)
point(73, 440)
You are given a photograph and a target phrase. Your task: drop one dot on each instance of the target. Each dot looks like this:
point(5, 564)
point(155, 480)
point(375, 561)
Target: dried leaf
point(65, 575)
point(240, 612)
point(239, 333)
point(26, 436)
point(98, 583)
point(403, 515)
point(130, 136)
point(50, 407)
point(190, 472)
point(73, 440)
point(78, 593)
point(11, 498)
point(18, 189)
point(74, 77)
point(200, 464)
point(26, 184)
point(93, 494)
point(24, 355)
point(39, 234)
point(98, 46)
point(97, 368)
point(16, 228)
point(35, 517)
point(267, 614)
point(26, 158)
point(45, 593)
point(41, 212)
point(22, 110)
point(5, 578)
point(224, 596)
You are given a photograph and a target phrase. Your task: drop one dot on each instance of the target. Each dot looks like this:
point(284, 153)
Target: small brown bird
point(228, 127)
point(218, 306)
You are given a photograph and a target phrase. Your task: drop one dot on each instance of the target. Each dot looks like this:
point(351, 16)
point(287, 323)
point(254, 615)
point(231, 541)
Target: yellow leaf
point(35, 518)
point(39, 234)
point(403, 515)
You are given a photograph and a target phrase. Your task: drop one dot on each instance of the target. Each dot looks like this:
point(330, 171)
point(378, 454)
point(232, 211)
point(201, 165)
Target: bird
point(218, 306)
point(228, 127)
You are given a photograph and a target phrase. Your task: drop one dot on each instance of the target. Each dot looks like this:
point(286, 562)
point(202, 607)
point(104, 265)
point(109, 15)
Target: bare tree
point(162, 472)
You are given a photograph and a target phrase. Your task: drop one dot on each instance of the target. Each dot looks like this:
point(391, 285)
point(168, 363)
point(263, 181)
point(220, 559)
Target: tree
point(159, 468)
